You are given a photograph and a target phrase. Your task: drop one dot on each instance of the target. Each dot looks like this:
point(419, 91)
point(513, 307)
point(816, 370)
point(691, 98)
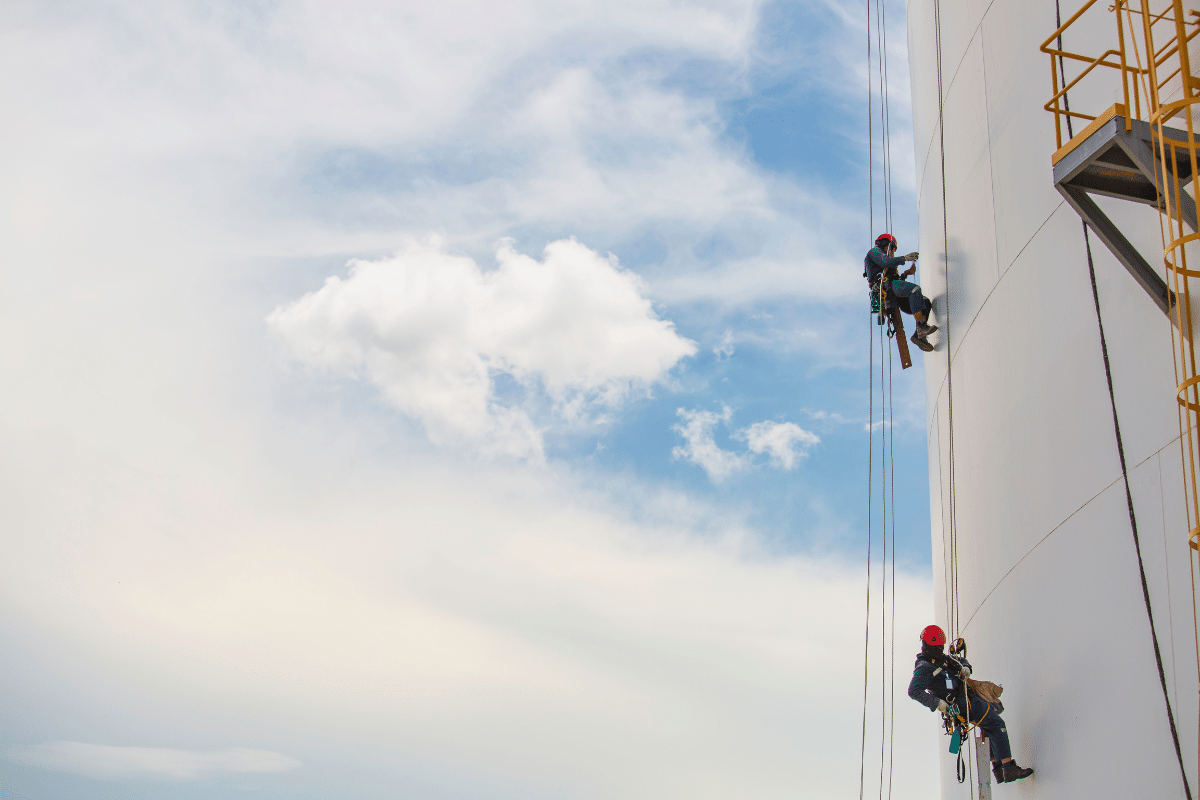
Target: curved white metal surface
point(1051, 602)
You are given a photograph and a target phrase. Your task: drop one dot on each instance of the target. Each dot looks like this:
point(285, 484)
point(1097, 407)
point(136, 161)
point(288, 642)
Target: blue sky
point(443, 401)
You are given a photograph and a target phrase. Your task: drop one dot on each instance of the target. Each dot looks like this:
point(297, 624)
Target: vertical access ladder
point(1146, 150)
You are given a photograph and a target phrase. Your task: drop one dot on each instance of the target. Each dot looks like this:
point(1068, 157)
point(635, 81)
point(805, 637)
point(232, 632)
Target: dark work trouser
point(992, 725)
point(917, 302)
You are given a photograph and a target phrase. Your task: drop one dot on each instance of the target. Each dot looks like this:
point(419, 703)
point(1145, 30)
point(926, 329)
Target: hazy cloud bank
point(109, 762)
point(488, 631)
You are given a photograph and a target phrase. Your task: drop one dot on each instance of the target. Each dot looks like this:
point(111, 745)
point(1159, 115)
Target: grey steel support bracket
point(1115, 163)
point(1125, 252)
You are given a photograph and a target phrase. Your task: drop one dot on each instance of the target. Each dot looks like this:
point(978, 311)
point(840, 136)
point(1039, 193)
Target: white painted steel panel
point(1018, 129)
point(960, 23)
point(971, 216)
point(1079, 676)
point(1049, 591)
point(922, 60)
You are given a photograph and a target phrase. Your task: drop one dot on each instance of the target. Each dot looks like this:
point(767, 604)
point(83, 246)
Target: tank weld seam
point(1157, 453)
point(971, 323)
point(957, 69)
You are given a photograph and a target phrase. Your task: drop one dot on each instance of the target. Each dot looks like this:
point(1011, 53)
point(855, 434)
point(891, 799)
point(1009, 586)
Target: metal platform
point(1105, 159)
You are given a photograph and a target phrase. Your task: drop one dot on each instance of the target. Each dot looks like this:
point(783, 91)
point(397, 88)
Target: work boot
point(1014, 772)
point(924, 330)
point(998, 771)
point(921, 342)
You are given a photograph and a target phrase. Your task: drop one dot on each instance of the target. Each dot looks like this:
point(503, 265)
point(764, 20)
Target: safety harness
point(883, 301)
point(955, 720)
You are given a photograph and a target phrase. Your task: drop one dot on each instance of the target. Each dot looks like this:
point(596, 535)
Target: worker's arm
point(918, 687)
point(958, 663)
point(882, 262)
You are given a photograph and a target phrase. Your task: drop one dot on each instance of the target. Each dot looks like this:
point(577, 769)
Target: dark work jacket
point(876, 261)
point(929, 680)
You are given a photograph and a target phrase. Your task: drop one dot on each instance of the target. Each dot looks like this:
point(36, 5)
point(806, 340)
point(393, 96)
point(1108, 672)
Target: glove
point(965, 673)
point(912, 256)
point(943, 706)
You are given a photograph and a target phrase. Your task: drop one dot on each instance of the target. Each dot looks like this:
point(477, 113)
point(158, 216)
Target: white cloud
point(431, 331)
point(829, 417)
point(701, 448)
point(724, 349)
point(784, 442)
point(109, 762)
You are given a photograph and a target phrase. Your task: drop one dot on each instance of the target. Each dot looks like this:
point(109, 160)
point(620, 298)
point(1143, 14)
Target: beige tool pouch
point(985, 689)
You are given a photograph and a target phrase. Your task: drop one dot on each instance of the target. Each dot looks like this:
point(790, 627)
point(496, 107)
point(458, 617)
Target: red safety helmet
point(886, 238)
point(933, 635)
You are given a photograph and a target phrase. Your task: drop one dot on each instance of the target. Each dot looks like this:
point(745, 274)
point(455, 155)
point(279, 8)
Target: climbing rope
point(877, 70)
point(887, 599)
point(870, 498)
point(1137, 545)
point(950, 510)
point(950, 534)
point(887, 468)
point(892, 639)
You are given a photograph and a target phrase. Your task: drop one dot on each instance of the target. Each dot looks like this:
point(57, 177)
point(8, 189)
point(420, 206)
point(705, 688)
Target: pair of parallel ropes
point(877, 66)
point(877, 69)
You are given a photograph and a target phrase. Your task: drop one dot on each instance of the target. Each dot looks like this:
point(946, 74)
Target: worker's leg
point(1003, 767)
point(918, 304)
point(993, 726)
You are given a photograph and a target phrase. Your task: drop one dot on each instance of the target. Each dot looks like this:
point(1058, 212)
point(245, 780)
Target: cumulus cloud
point(431, 331)
point(110, 762)
point(700, 446)
point(785, 443)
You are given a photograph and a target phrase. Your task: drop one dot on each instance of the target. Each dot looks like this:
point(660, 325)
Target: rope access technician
point(882, 261)
point(940, 680)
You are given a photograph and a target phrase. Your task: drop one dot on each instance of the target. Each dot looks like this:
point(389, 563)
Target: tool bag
point(986, 690)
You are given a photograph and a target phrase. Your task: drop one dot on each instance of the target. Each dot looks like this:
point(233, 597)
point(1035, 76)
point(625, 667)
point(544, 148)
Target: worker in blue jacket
point(940, 680)
point(882, 260)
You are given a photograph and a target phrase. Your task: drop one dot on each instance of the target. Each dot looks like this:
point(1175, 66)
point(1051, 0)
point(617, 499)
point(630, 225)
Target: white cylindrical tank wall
point(1049, 594)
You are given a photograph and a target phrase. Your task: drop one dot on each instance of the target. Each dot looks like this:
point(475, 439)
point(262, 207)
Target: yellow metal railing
point(1131, 46)
point(1058, 56)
